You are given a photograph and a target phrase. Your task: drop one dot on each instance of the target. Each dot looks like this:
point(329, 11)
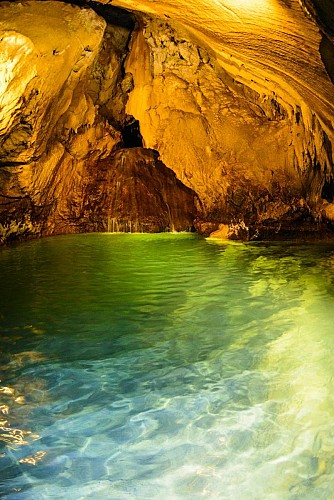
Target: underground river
point(160, 366)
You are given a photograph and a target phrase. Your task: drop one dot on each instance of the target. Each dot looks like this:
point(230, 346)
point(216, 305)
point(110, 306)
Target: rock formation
point(206, 114)
point(132, 191)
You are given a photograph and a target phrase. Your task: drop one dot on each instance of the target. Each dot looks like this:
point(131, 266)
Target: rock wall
point(49, 122)
point(63, 95)
point(133, 191)
point(252, 155)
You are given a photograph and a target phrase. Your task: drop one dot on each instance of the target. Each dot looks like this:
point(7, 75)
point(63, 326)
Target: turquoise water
point(166, 366)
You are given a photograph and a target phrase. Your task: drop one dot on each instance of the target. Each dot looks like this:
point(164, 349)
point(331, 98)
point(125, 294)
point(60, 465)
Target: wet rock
point(236, 127)
point(133, 191)
point(63, 65)
point(222, 232)
point(59, 171)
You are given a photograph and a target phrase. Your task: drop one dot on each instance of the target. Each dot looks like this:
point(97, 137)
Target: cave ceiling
point(269, 44)
point(235, 96)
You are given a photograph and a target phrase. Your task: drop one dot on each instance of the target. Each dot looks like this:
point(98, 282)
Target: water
point(166, 366)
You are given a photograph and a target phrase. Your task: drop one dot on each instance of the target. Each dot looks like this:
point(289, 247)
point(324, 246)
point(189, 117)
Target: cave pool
point(166, 366)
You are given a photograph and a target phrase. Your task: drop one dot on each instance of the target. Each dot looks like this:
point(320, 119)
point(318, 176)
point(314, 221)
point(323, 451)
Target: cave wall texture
point(210, 115)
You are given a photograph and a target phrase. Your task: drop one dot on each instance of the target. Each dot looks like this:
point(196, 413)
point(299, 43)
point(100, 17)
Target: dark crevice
point(322, 12)
point(132, 137)
point(114, 15)
point(327, 55)
point(4, 164)
point(327, 192)
point(327, 145)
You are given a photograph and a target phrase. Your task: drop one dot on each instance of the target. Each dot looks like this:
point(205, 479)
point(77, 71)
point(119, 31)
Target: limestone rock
point(223, 232)
point(48, 50)
point(133, 191)
point(50, 123)
point(329, 211)
point(239, 108)
point(247, 151)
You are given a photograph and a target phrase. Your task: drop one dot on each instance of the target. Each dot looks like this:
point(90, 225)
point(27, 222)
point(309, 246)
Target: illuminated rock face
point(238, 107)
point(49, 123)
point(247, 120)
point(63, 112)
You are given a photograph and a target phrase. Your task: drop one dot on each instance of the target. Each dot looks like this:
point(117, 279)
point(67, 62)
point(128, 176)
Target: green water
point(166, 367)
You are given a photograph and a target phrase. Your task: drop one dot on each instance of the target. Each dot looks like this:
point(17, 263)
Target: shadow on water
point(135, 366)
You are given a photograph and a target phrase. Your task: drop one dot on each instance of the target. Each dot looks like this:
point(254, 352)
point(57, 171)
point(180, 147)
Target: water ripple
point(156, 366)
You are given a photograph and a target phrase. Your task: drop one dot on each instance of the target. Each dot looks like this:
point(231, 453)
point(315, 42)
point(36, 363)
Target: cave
point(233, 110)
point(166, 249)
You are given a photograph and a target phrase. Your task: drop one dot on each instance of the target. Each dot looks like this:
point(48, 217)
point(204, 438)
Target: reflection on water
point(156, 366)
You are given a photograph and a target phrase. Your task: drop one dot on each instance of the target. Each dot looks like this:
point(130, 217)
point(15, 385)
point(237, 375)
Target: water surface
point(166, 366)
